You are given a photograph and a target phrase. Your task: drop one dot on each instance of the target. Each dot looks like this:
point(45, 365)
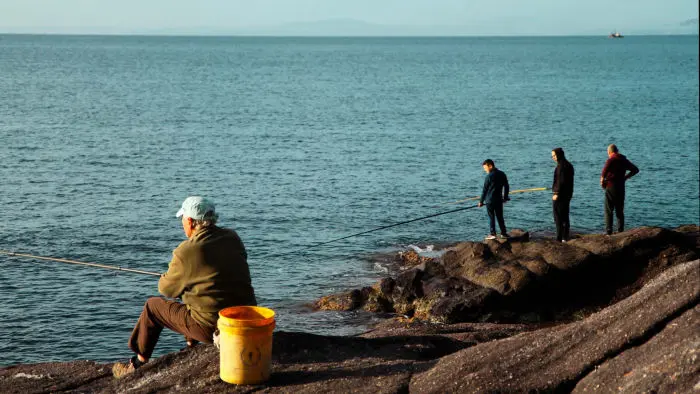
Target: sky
point(333, 17)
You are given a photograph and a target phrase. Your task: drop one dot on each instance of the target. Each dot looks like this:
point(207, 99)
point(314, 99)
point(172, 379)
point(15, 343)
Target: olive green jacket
point(209, 271)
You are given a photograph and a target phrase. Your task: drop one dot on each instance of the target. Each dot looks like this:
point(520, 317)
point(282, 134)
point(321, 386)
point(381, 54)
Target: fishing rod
point(111, 267)
point(373, 230)
point(137, 271)
point(534, 189)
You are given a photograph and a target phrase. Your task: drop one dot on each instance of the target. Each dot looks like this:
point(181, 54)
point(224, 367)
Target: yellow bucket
point(245, 344)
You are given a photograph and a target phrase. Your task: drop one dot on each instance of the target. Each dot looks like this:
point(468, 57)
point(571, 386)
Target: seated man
point(209, 271)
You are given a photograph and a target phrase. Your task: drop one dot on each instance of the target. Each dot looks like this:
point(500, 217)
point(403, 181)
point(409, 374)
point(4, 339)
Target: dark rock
point(629, 243)
point(467, 303)
point(691, 232)
point(563, 256)
point(554, 359)
point(535, 265)
point(348, 301)
point(408, 286)
point(465, 253)
point(386, 287)
point(376, 302)
point(518, 276)
point(629, 303)
point(51, 377)
point(667, 363)
point(518, 235)
point(646, 343)
point(468, 333)
point(535, 281)
point(431, 268)
point(411, 259)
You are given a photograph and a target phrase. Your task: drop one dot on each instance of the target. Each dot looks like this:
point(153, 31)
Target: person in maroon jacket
point(616, 172)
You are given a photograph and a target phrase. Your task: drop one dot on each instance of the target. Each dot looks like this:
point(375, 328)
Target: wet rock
point(529, 281)
point(376, 302)
point(469, 305)
point(407, 286)
point(411, 259)
point(386, 287)
point(347, 301)
point(431, 268)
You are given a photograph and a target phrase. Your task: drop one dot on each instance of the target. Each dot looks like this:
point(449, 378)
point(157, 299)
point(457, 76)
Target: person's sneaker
point(503, 236)
point(491, 236)
point(121, 369)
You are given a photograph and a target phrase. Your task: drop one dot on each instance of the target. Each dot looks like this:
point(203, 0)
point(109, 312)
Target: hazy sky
point(468, 16)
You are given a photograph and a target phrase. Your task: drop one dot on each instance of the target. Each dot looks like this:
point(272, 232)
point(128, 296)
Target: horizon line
point(239, 35)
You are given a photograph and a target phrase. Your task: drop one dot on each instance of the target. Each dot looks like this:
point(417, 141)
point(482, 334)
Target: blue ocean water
point(300, 141)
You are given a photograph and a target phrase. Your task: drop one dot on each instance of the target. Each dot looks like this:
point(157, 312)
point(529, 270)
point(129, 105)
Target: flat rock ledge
point(641, 335)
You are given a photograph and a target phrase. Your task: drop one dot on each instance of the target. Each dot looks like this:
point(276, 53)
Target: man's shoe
point(503, 236)
point(122, 369)
point(490, 236)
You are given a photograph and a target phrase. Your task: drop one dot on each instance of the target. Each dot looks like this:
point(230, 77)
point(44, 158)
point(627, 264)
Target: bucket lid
point(246, 316)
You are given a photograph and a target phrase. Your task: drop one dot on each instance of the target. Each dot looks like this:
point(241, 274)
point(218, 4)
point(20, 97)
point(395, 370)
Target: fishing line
point(372, 230)
point(137, 271)
point(535, 189)
point(111, 267)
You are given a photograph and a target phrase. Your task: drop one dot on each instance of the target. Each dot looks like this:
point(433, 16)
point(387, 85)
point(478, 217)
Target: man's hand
point(554, 197)
point(481, 204)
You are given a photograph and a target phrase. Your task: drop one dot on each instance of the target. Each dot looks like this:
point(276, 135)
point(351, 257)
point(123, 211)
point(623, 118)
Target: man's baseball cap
point(198, 208)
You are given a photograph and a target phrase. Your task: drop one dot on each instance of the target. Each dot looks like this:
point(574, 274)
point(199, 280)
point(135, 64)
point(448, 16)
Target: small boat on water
point(616, 34)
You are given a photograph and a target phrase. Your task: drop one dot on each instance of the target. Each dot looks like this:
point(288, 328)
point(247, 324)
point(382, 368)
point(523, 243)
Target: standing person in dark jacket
point(615, 174)
point(494, 194)
point(563, 190)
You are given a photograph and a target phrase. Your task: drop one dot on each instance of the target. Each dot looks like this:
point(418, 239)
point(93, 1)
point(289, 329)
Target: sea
point(301, 141)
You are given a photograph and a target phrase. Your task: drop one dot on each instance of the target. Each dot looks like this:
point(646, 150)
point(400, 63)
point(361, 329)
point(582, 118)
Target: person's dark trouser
point(560, 208)
point(158, 313)
point(495, 211)
point(614, 200)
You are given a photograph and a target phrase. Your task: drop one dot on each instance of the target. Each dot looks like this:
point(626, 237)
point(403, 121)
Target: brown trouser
point(158, 313)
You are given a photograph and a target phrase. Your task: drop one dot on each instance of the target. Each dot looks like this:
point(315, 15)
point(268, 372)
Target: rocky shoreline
point(598, 313)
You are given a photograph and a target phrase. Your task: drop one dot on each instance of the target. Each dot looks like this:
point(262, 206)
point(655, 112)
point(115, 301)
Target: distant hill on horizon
point(346, 27)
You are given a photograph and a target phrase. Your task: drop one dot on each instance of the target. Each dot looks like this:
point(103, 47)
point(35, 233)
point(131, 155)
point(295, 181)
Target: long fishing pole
point(534, 189)
point(111, 267)
point(373, 230)
point(137, 271)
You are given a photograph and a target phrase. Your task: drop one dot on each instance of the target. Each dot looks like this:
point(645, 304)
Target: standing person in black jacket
point(494, 194)
point(563, 190)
